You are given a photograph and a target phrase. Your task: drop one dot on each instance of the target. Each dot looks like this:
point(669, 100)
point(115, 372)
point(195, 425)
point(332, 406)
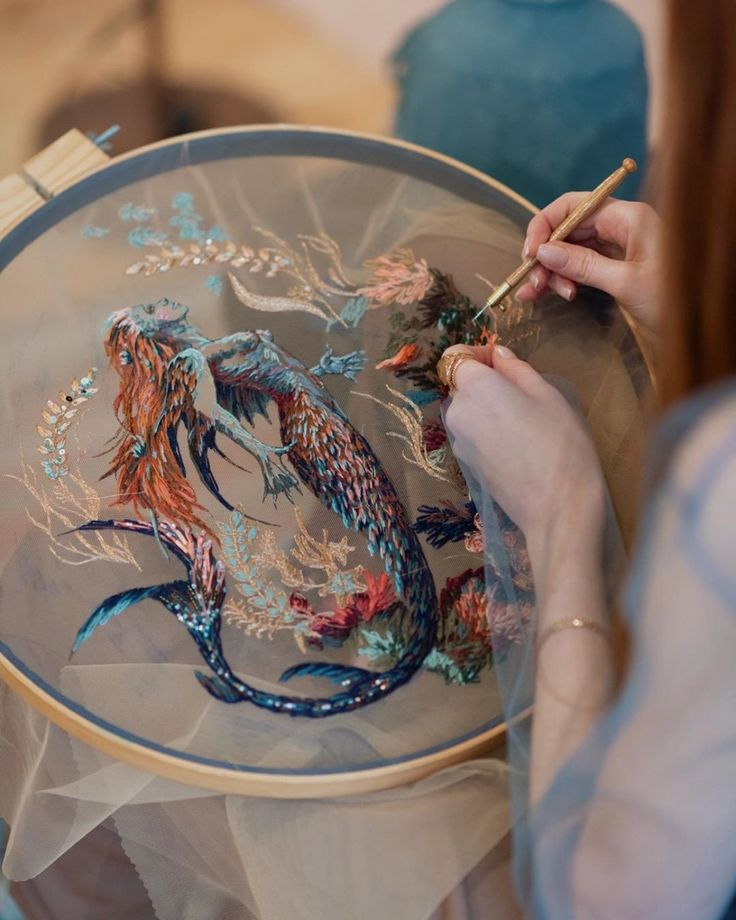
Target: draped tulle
point(640, 821)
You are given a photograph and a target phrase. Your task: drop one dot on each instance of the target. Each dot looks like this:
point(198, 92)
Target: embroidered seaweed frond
point(438, 463)
point(331, 558)
point(65, 505)
point(267, 304)
point(63, 497)
point(251, 552)
point(210, 252)
point(57, 420)
point(309, 284)
point(381, 646)
point(263, 609)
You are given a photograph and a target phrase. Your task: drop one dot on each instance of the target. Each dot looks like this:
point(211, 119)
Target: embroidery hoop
point(106, 177)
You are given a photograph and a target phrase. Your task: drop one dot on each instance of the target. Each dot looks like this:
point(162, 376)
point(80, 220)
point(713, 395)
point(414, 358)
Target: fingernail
point(525, 251)
point(568, 291)
point(502, 352)
point(535, 280)
point(552, 256)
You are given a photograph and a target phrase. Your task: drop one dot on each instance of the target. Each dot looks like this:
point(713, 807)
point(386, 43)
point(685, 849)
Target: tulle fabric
point(398, 853)
point(640, 821)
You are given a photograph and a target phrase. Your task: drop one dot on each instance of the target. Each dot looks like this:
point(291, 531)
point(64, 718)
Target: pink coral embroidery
point(360, 608)
point(471, 607)
point(398, 278)
point(509, 624)
point(475, 540)
point(494, 624)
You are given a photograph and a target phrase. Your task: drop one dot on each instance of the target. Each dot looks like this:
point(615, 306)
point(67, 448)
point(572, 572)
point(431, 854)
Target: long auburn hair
point(699, 173)
point(149, 406)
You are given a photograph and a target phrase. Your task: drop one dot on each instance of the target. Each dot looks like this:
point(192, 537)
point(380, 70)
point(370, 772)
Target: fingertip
point(502, 353)
point(538, 232)
point(539, 278)
point(526, 293)
point(562, 286)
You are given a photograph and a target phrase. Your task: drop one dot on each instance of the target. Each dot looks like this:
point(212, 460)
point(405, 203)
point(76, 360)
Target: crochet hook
point(587, 206)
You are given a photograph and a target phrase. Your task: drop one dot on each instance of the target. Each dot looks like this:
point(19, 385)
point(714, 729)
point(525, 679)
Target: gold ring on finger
point(448, 364)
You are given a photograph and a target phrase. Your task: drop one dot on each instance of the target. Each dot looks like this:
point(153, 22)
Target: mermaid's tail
point(338, 465)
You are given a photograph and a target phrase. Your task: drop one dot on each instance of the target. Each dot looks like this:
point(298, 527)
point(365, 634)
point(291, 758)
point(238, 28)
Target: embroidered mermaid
point(172, 378)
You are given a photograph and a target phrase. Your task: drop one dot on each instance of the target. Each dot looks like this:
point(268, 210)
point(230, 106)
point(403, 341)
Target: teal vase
point(545, 95)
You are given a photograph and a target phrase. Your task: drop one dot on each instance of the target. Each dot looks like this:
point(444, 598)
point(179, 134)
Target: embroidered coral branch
point(331, 558)
point(397, 278)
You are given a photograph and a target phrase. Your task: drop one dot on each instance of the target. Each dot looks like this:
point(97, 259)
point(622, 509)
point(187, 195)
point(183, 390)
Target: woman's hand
point(525, 444)
point(617, 249)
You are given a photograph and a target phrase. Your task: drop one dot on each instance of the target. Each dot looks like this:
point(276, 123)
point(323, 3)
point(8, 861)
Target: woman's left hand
point(524, 443)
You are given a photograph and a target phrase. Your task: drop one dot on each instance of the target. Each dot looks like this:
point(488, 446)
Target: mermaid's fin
point(118, 603)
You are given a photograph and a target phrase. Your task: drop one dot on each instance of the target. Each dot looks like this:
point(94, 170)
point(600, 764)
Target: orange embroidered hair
point(149, 406)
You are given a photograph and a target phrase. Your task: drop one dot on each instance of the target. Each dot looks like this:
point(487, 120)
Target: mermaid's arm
point(193, 364)
point(260, 348)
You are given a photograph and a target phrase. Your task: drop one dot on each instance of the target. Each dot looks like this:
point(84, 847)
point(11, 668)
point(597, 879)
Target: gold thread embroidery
point(65, 499)
point(67, 508)
point(438, 463)
point(263, 608)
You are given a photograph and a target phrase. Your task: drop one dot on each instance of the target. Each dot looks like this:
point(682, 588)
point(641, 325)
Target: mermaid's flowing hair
point(153, 399)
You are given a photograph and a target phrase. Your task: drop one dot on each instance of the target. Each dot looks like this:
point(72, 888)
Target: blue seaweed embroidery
point(189, 223)
point(90, 232)
point(214, 283)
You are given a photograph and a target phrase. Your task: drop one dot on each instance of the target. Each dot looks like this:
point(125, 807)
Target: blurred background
point(167, 66)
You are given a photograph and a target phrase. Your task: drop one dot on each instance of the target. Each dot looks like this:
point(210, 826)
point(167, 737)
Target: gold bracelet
point(573, 623)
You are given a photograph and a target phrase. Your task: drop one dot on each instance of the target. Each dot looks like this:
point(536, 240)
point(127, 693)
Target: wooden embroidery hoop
point(61, 166)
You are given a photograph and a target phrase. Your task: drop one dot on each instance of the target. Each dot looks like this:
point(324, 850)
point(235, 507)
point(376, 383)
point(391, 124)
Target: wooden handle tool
point(586, 207)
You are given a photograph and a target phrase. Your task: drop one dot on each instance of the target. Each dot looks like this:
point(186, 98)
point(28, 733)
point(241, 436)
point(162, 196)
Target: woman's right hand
point(617, 249)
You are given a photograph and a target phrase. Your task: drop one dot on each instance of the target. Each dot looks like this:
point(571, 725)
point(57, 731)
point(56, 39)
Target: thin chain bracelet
point(573, 623)
point(560, 626)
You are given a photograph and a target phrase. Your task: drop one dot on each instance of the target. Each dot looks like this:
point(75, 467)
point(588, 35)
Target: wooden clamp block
point(46, 174)
point(17, 200)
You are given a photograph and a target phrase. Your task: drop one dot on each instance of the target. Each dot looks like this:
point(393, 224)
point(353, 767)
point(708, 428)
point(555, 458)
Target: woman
point(633, 787)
